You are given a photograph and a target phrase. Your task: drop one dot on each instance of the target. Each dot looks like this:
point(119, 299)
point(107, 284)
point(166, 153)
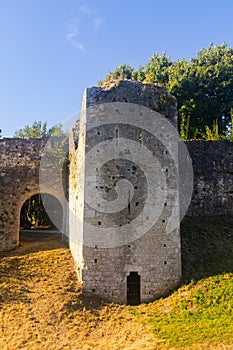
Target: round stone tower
point(124, 192)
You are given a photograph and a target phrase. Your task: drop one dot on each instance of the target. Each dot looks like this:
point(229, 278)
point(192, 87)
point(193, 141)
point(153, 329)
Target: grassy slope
point(41, 306)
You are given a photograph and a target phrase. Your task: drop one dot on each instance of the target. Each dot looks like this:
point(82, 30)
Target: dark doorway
point(40, 219)
point(133, 289)
point(41, 211)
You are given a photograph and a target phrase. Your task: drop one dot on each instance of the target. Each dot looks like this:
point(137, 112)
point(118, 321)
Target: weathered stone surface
point(155, 256)
point(19, 180)
point(213, 177)
point(149, 95)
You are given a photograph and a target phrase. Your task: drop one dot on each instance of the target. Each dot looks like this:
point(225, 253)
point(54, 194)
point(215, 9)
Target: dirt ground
point(41, 305)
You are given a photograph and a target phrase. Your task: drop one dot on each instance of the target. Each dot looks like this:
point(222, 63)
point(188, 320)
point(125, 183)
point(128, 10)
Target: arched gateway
point(19, 171)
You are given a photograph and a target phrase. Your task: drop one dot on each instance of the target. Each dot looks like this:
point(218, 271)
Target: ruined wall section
point(149, 95)
point(213, 177)
point(19, 180)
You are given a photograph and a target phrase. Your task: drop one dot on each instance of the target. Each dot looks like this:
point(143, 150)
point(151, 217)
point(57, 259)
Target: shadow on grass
point(207, 246)
point(32, 241)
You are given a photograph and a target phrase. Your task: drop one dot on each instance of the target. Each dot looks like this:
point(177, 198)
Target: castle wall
point(77, 145)
point(212, 163)
point(19, 180)
point(154, 255)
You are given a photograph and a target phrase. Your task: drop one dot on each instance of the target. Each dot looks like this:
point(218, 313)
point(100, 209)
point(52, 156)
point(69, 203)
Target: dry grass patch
point(41, 305)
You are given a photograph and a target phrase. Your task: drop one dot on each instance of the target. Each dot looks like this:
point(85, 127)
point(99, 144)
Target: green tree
point(203, 87)
point(157, 69)
point(34, 215)
point(38, 129)
point(206, 83)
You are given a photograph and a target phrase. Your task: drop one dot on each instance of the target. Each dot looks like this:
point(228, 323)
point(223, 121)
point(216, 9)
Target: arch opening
point(40, 213)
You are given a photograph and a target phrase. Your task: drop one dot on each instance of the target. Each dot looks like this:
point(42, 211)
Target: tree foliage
point(157, 69)
point(34, 215)
point(38, 129)
point(203, 87)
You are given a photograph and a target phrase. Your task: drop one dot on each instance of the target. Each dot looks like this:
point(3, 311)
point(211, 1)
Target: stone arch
point(19, 180)
point(32, 192)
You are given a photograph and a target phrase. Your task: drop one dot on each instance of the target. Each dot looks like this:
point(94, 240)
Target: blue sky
point(50, 50)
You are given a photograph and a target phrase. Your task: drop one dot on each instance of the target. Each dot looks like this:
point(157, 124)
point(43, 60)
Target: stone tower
point(124, 196)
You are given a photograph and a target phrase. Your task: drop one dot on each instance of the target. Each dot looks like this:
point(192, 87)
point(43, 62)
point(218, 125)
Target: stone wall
point(149, 95)
point(19, 180)
point(103, 263)
point(77, 147)
point(213, 177)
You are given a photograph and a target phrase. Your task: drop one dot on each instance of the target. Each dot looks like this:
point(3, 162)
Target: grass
point(41, 305)
point(199, 315)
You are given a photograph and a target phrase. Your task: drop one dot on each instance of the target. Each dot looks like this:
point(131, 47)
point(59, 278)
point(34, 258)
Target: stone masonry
point(19, 180)
point(155, 256)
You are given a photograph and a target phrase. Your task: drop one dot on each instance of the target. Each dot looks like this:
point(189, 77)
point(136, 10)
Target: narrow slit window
point(117, 135)
point(129, 205)
point(129, 208)
point(140, 137)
